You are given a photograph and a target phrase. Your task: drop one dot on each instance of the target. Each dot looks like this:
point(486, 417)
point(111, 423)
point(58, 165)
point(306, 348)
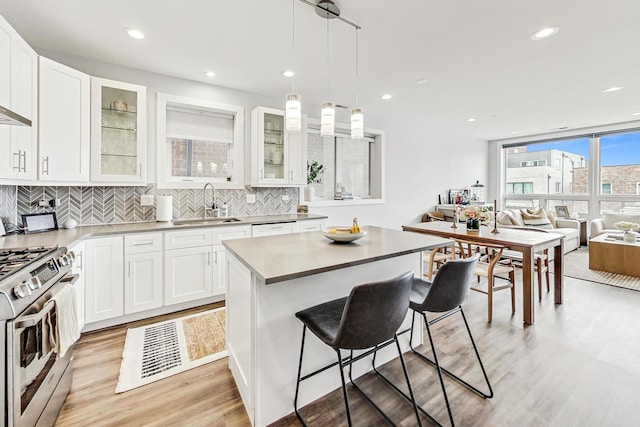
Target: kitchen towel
point(164, 208)
point(65, 331)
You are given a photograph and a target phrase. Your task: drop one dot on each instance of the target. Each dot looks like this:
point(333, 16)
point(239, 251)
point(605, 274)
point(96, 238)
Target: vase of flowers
point(314, 176)
point(628, 230)
point(474, 215)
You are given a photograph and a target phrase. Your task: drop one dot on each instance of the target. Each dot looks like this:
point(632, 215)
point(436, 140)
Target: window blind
point(199, 125)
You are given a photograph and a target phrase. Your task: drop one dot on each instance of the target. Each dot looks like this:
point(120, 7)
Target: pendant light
point(357, 115)
point(293, 106)
point(328, 113)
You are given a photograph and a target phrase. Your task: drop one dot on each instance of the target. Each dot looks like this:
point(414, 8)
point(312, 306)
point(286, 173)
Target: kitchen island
point(271, 278)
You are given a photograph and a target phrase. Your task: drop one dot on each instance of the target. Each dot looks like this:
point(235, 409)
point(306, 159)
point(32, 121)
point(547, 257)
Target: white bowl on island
point(342, 234)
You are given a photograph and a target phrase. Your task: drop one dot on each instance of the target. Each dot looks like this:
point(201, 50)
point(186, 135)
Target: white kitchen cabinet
point(310, 225)
point(143, 281)
point(19, 93)
point(78, 268)
point(104, 274)
point(278, 158)
point(64, 112)
point(118, 132)
point(188, 274)
point(220, 267)
point(273, 229)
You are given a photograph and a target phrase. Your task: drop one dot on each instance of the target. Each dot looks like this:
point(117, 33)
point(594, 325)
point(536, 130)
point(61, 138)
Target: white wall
point(419, 164)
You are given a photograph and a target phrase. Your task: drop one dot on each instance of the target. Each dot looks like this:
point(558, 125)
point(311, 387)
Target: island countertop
point(284, 257)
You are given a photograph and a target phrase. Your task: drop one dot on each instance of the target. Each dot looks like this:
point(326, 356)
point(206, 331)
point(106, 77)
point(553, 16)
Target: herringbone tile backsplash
point(113, 205)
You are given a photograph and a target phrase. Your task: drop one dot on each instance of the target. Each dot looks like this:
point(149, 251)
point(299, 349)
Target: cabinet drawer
point(142, 243)
point(188, 238)
point(310, 225)
point(228, 233)
point(273, 229)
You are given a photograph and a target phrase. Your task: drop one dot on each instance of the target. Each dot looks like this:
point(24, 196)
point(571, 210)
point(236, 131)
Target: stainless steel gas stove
point(36, 378)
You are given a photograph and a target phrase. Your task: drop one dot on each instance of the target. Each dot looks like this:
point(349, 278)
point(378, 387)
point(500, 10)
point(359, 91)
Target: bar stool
point(367, 319)
point(444, 295)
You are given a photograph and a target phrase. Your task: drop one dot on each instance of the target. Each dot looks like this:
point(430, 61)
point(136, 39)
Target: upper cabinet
point(64, 137)
point(19, 93)
point(118, 132)
point(278, 157)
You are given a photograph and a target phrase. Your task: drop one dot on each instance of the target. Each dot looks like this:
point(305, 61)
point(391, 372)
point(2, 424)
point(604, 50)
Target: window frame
point(376, 168)
point(164, 178)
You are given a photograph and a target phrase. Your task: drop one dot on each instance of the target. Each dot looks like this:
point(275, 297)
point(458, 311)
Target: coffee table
point(613, 255)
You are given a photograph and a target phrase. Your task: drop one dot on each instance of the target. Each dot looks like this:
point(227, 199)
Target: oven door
point(34, 369)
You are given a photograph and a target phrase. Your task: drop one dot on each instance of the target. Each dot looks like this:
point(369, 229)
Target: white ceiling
point(476, 55)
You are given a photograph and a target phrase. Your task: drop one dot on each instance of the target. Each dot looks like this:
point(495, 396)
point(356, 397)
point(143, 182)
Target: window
point(620, 163)
point(519, 187)
point(606, 188)
point(529, 163)
point(352, 169)
point(202, 142)
point(637, 187)
point(557, 187)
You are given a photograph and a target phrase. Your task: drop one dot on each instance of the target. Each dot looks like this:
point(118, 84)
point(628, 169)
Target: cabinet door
point(78, 269)
point(143, 287)
point(219, 270)
point(118, 131)
point(310, 225)
point(104, 279)
point(7, 160)
point(296, 144)
point(188, 274)
point(64, 123)
point(24, 101)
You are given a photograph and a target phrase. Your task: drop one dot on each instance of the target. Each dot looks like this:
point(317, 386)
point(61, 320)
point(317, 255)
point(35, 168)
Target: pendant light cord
point(293, 45)
point(357, 71)
point(328, 74)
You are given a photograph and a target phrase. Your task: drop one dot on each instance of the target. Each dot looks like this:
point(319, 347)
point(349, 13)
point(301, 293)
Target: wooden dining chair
point(540, 265)
point(435, 258)
point(490, 266)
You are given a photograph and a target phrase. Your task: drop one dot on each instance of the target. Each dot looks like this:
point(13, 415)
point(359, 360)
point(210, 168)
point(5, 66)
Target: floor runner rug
point(159, 350)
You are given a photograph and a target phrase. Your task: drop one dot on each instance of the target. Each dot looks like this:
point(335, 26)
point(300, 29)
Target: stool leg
point(295, 399)
point(406, 377)
point(435, 358)
point(486, 378)
point(344, 387)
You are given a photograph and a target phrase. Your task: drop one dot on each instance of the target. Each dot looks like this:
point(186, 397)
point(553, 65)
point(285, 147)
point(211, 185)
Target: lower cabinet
point(188, 274)
point(273, 229)
point(310, 225)
point(143, 280)
point(104, 297)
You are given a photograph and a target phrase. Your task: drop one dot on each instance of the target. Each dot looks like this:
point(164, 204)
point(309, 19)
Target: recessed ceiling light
point(210, 74)
point(134, 33)
point(544, 33)
point(386, 96)
point(288, 73)
point(613, 89)
point(422, 82)
point(471, 120)
point(635, 114)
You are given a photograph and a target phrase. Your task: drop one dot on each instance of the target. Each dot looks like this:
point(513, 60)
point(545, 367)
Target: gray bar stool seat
point(444, 295)
point(367, 319)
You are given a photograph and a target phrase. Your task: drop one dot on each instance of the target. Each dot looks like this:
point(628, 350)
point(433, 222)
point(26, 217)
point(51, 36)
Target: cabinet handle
point(262, 173)
point(45, 161)
point(129, 269)
point(140, 170)
point(208, 258)
point(24, 158)
point(144, 243)
point(215, 260)
point(80, 266)
point(17, 155)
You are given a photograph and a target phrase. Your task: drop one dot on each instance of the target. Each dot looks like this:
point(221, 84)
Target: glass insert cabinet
point(278, 157)
point(118, 131)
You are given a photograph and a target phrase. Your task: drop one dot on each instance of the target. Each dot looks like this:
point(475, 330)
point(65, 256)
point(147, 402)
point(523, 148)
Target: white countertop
point(67, 237)
point(284, 257)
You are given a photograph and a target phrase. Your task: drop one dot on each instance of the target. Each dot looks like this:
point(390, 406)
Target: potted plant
point(628, 229)
point(314, 176)
point(474, 216)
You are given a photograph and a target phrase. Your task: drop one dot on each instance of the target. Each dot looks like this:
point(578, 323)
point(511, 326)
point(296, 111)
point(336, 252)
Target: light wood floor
point(579, 365)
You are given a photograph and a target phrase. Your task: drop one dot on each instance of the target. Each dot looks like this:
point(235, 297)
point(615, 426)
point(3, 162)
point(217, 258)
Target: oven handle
point(33, 319)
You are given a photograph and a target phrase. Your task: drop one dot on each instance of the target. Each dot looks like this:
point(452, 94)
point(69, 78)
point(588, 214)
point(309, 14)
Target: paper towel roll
point(164, 208)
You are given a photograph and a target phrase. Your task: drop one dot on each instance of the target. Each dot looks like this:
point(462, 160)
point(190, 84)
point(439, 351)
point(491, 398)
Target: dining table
point(526, 241)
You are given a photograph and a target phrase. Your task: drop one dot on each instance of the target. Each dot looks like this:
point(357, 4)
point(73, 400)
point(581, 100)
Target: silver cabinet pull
point(140, 170)
point(18, 154)
point(24, 158)
point(45, 161)
point(208, 258)
point(143, 243)
point(129, 269)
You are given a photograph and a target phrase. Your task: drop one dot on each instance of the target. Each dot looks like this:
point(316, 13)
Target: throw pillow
point(537, 218)
point(503, 218)
point(515, 220)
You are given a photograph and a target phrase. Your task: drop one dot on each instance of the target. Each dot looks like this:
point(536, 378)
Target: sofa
point(605, 224)
point(542, 220)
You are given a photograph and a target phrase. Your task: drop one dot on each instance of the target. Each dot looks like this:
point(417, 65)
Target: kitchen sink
point(204, 221)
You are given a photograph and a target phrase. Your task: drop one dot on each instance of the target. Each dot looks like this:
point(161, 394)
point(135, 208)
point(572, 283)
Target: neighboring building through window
point(606, 188)
point(519, 187)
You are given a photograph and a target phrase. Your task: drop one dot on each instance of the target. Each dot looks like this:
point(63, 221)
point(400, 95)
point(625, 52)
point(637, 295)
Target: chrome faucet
point(214, 206)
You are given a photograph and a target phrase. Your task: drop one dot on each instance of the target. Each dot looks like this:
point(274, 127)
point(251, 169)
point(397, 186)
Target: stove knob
point(21, 291)
point(33, 283)
point(71, 255)
point(63, 260)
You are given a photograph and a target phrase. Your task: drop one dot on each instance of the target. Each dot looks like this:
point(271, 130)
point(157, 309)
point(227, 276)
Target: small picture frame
point(562, 212)
point(39, 222)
